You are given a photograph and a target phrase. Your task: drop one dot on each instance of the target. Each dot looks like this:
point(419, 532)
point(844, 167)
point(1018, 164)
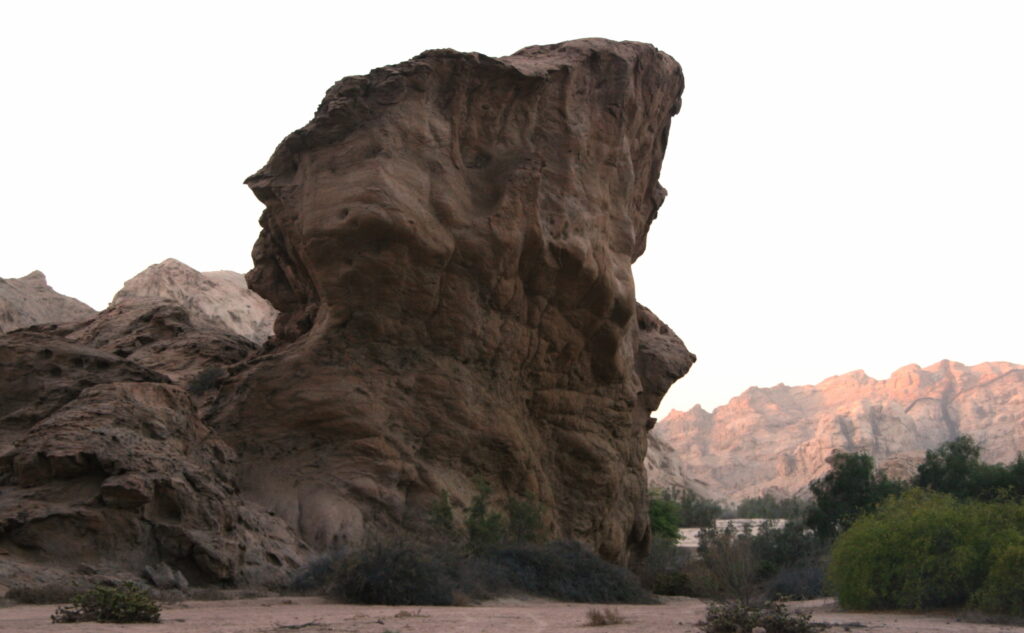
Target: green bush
point(768, 506)
point(730, 617)
point(1003, 591)
point(926, 550)
point(125, 602)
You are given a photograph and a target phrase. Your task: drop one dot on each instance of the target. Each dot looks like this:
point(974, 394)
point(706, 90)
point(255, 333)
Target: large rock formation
point(778, 439)
point(449, 242)
point(218, 299)
point(30, 300)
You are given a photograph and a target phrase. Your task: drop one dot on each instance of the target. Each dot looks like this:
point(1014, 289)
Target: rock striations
point(778, 439)
point(449, 242)
point(219, 299)
point(30, 300)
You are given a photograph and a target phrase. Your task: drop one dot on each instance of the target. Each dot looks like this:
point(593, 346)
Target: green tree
point(852, 488)
point(956, 468)
point(666, 516)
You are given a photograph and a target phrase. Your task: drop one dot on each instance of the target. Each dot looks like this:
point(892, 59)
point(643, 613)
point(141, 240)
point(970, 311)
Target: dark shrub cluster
point(438, 575)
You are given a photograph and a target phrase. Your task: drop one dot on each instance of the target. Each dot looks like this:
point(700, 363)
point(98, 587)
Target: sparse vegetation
point(773, 617)
point(604, 617)
point(121, 603)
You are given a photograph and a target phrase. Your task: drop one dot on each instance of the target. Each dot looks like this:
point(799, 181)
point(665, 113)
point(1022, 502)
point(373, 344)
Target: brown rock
point(30, 301)
point(105, 461)
point(449, 242)
point(779, 439)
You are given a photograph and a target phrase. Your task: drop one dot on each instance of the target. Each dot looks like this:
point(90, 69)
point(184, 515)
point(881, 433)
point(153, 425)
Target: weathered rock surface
point(778, 439)
point(449, 242)
point(220, 298)
point(30, 300)
point(105, 461)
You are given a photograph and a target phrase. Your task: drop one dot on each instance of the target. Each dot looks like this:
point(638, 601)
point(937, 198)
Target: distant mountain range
point(777, 439)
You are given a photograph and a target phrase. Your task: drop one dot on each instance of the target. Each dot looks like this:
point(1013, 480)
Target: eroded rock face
point(104, 461)
point(777, 439)
point(219, 299)
point(30, 300)
point(449, 242)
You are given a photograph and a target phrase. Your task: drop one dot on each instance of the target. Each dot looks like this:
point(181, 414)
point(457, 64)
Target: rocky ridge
point(29, 300)
point(777, 439)
point(218, 299)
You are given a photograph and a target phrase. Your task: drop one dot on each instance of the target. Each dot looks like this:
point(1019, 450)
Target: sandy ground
point(313, 615)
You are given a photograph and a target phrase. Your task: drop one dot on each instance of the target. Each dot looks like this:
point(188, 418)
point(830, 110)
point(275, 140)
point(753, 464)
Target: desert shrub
point(728, 557)
point(394, 574)
point(206, 380)
point(318, 574)
point(1003, 590)
point(483, 527)
point(801, 581)
point(525, 521)
point(440, 515)
point(774, 617)
point(566, 571)
point(662, 572)
point(124, 602)
point(923, 550)
point(604, 617)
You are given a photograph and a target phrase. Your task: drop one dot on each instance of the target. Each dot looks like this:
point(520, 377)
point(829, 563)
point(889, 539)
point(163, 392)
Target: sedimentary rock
point(30, 300)
point(105, 461)
point(778, 439)
point(449, 243)
point(220, 298)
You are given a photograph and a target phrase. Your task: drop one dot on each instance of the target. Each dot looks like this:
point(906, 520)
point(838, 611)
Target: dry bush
point(604, 617)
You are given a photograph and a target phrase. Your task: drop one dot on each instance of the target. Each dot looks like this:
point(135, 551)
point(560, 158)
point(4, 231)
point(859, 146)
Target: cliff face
point(30, 300)
point(778, 439)
point(218, 299)
point(449, 243)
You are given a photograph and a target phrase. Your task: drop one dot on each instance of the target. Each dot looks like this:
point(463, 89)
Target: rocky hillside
point(449, 243)
point(30, 300)
point(220, 298)
point(777, 439)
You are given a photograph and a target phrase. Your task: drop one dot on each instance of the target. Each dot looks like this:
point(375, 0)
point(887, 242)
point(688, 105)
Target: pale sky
point(845, 179)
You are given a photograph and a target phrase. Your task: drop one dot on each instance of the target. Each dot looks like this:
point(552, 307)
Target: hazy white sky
point(845, 179)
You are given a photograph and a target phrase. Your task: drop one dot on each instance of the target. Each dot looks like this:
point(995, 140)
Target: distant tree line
point(952, 536)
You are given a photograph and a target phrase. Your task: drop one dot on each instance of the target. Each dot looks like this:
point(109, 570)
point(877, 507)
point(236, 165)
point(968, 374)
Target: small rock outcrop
point(449, 242)
point(219, 299)
point(30, 301)
point(105, 461)
point(778, 439)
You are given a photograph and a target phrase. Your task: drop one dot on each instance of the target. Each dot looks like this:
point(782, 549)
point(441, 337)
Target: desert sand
point(314, 615)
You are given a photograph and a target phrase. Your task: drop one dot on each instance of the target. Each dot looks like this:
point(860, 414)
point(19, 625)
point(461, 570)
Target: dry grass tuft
point(604, 617)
